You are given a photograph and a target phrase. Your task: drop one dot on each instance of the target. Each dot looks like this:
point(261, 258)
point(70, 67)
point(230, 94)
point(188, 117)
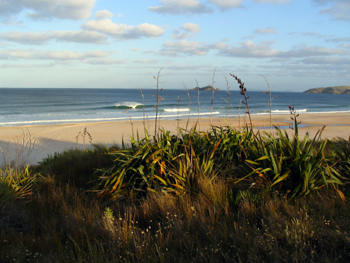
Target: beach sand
point(30, 144)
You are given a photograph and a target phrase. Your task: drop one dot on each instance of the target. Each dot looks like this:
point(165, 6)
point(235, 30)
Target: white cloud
point(190, 68)
point(147, 30)
point(226, 4)
point(150, 52)
point(345, 45)
point(9, 7)
point(107, 26)
point(272, 1)
point(102, 61)
point(191, 27)
point(339, 39)
point(184, 47)
point(180, 35)
point(124, 31)
point(264, 50)
point(33, 38)
point(82, 36)
point(248, 49)
point(340, 9)
point(181, 7)
point(327, 60)
point(25, 65)
point(189, 7)
point(187, 29)
point(26, 38)
point(267, 30)
point(64, 9)
point(313, 34)
point(146, 61)
point(103, 14)
point(305, 51)
point(221, 46)
point(18, 54)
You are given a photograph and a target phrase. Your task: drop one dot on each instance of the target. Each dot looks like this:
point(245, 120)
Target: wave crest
point(127, 105)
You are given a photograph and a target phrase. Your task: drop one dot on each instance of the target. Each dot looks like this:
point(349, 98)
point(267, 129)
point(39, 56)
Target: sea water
point(30, 106)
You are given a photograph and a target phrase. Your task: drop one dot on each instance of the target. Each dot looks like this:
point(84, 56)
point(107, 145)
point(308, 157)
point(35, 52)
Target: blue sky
point(296, 44)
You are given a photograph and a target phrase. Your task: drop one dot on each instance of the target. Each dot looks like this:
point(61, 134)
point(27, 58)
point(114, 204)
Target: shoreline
point(206, 115)
point(30, 144)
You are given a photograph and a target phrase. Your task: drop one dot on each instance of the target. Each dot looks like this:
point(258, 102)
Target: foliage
point(162, 164)
point(16, 184)
point(291, 165)
point(175, 163)
point(74, 166)
point(341, 151)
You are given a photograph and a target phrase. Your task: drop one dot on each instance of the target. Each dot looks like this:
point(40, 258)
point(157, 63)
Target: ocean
point(40, 106)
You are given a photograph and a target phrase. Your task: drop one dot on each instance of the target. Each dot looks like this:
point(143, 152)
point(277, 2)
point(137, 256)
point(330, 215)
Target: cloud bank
point(41, 9)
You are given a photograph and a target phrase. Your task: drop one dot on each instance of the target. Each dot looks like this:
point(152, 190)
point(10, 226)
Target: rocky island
point(210, 88)
point(330, 90)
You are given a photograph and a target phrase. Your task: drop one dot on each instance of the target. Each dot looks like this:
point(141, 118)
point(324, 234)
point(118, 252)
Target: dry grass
point(221, 222)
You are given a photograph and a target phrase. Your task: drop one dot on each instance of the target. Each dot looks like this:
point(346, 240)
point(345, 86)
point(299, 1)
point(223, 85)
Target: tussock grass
point(74, 166)
point(64, 224)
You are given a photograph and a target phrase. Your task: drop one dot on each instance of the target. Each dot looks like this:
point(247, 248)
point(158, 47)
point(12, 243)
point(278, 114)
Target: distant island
point(210, 88)
point(330, 90)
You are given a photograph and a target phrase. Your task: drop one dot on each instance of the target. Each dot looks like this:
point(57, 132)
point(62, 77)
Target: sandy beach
point(30, 144)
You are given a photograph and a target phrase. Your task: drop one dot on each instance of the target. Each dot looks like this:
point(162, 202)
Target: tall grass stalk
point(131, 123)
point(143, 110)
point(198, 103)
point(157, 104)
point(239, 113)
point(15, 157)
point(178, 111)
point(269, 103)
point(228, 97)
point(85, 134)
point(212, 97)
point(245, 102)
point(189, 106)
point(293, 117)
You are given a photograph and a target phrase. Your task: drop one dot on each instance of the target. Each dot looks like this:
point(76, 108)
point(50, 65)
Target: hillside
point(330, 90)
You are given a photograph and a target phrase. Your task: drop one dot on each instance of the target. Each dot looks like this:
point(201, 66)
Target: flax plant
point(291, 165)
point(16, 184)
point(341, 152)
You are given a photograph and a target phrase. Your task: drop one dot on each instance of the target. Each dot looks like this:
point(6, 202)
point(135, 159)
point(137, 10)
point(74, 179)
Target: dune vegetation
point(222, 195)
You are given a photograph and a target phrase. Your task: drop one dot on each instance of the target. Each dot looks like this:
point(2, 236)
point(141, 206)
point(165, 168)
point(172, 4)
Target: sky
point(295, 44)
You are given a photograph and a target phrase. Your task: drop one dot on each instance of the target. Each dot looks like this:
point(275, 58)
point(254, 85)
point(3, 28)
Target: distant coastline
point(206, 88)
point(330, 90)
